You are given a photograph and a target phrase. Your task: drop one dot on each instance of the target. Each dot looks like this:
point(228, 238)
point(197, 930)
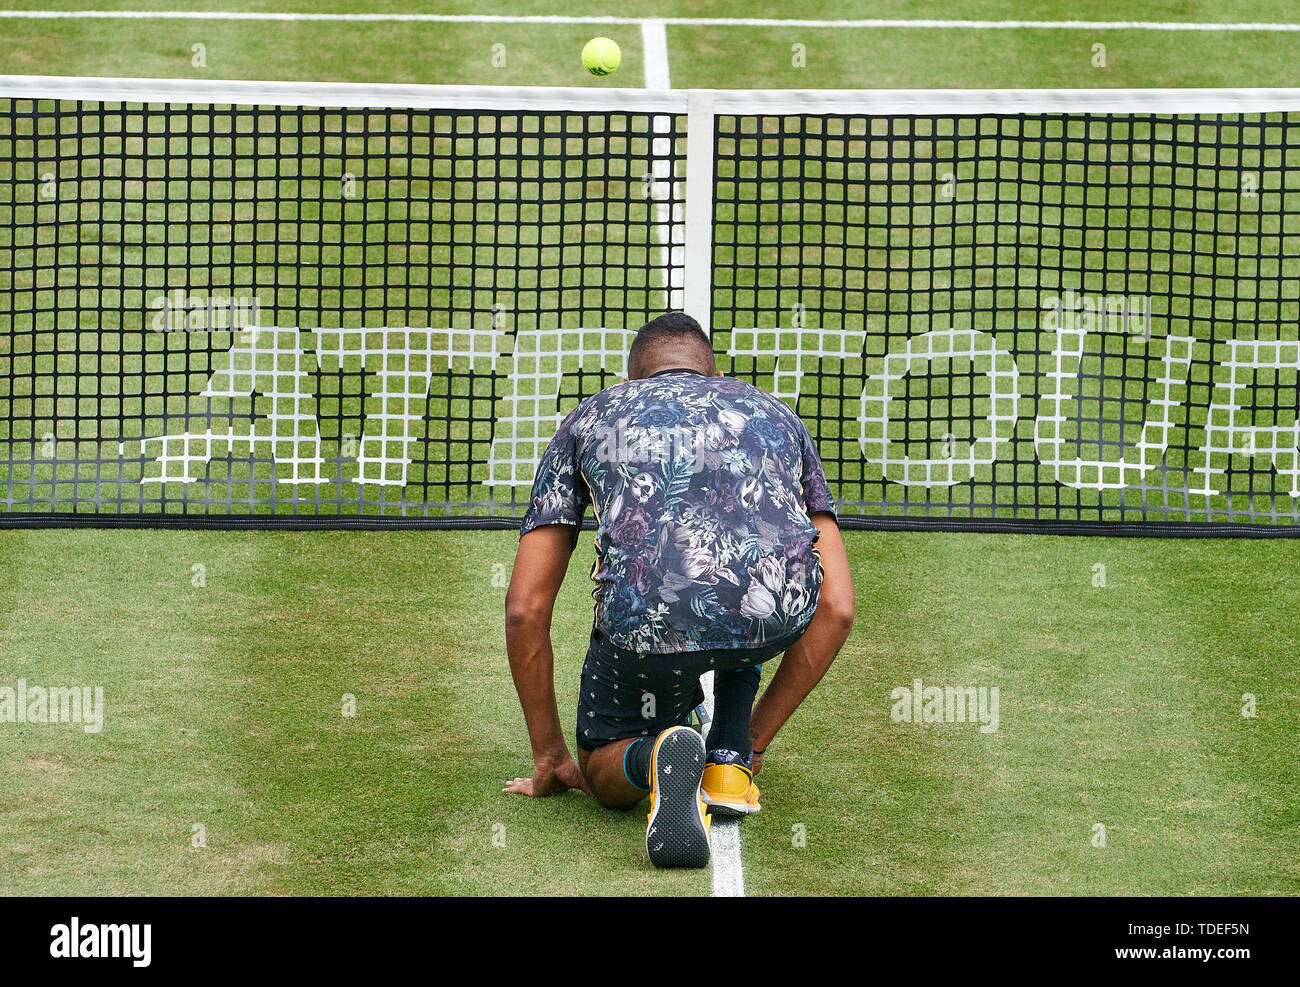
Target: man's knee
point(616, 800)
point(603, 769)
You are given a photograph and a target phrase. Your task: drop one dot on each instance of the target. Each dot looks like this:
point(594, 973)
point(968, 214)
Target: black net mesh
point(216, 312)
point(1040, 318)
point(237, 310)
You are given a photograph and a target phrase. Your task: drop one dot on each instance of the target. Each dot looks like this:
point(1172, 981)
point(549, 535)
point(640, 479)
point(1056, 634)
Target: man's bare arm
point(540, 565)
point(808, 659)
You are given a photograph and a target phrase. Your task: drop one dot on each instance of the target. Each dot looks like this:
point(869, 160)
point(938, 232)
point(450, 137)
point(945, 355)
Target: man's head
point(670, 341)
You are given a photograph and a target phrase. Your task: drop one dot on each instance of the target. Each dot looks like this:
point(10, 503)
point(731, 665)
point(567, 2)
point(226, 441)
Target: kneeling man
point(717, 549)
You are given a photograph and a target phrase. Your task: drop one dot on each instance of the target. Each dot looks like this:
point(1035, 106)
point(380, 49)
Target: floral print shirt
point(703, 489)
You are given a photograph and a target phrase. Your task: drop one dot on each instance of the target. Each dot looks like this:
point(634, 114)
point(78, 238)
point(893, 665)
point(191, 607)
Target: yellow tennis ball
point(601, 56)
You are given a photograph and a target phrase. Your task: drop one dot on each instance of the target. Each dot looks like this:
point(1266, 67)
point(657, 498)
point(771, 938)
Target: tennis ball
point(601, 56)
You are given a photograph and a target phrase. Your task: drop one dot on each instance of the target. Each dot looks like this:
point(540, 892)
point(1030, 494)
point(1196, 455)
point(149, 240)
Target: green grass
point(717, 57)
point(1119, 705)
point(224, 708)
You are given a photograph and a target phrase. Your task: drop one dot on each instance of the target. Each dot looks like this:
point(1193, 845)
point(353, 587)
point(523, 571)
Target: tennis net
point(280, 304)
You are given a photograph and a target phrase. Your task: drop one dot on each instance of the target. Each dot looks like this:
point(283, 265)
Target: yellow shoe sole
point(677, 829)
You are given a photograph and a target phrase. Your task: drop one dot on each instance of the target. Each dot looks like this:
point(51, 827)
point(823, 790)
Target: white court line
point(875, 22)
point(728, 871)
point(654, 44)
point(666, 210)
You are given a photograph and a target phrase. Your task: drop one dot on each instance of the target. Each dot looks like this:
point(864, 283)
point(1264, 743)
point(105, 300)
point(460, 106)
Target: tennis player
point(717, 549)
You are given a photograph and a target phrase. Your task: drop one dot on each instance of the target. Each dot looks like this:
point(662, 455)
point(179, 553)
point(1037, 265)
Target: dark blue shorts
point(625, 694)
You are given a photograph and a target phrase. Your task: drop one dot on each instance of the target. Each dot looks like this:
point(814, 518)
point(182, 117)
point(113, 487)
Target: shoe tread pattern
point(676, 837)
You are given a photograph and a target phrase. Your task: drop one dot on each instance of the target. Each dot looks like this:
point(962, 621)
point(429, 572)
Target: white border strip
point(871, 22)
point(728, 870)
point(667, 232)
point(898, 102)
point(724, 834)
point(697, 294)
point(981, 102)
point(654, 49)
point(868, 102)
point(338, 94)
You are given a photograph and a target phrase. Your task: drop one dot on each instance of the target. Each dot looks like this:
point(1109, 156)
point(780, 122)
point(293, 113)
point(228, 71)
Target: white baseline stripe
point(654, 45)
point(697, 294)
point(666, 189)
point(728, 872)
point(876, 22)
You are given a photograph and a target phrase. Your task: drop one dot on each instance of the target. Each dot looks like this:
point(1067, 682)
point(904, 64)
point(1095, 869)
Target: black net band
point(272, 315)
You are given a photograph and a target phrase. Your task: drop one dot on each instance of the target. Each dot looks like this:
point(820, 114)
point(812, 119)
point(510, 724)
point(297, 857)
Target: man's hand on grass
point(550, 777)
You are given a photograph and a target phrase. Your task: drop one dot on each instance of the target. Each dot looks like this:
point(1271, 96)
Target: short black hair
point(674, 339)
